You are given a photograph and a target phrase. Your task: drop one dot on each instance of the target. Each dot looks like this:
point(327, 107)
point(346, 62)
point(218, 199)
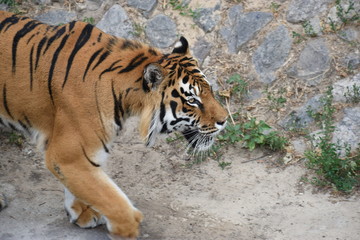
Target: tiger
point(71, 87)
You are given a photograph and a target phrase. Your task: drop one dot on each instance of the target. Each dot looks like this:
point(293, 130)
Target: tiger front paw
point(125, 228)
point(80, 213)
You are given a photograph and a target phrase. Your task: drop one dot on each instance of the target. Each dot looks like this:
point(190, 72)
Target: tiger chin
point(71, 87)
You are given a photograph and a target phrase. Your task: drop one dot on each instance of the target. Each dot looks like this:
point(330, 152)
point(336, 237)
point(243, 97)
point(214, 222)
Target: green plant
point(326, 158)
point(138, 30)
point(353, 94)
point(16, 138)
point(275, 7)
point(253, 134)
point(345, 14)
point(238, 85)
point(275, 141)
point(276, 99)
point(89, 20)
point(298, 37)
point(308, 29)
point(10, 3)
point(184, 8)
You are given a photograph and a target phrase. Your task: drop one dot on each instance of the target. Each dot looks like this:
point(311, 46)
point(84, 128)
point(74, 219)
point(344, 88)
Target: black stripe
point(28, 27)
point(24, 127)
point(104, 146)
point(71, 25)
point(38, 51)
point(99, 37)
point(57, 35)
point(13, 127)
point(32, 36)
point(82, 40)
point(53, 63)
point(86, 156)
point(173, 106)
point(101, 59)
point(2, 122)
point(135, 62)
point(128, 90)
point(116, 107)
point(31, 67)
point(98, 107)
point(91, 61)
point(27, 121)
point(9, 22)
point(111, 68)
point(152, 51)
point(6, 106)
point(162, 108)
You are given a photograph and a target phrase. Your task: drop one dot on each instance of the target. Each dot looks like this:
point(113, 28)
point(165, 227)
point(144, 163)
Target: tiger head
point(187, 102)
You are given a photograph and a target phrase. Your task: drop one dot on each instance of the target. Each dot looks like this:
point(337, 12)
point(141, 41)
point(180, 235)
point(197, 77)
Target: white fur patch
point(69, 202)
point(178, 44)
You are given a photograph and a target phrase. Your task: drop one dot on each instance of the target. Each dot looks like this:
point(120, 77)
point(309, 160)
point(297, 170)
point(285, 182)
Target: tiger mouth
point(198, 140)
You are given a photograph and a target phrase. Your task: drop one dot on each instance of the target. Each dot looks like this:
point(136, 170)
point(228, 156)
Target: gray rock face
point(161, 31)
point(301, 10)
point(300, 118)
point(201, 50)
point(341, 87)
point(347, 12)
point(4, 7)
point(56, 17)
point(144, 6)
point(206, 19)
point(272, 53)
point(313, 63)
point(347, 130)
point(241, 27)
point(350, 35)
point(116, 22)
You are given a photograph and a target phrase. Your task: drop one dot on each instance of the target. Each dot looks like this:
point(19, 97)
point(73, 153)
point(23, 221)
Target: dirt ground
point(257, 199)
point(252, 200)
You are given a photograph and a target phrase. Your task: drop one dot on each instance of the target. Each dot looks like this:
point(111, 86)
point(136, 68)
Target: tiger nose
point(221, 123)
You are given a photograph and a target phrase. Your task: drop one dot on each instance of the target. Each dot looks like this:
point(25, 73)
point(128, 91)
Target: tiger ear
point(153, 75)
point(182, 46)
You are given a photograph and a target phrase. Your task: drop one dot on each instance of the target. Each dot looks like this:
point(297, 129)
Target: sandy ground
point(252, 200)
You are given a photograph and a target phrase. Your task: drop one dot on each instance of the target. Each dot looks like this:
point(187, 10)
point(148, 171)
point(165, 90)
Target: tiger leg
point(81, 213)
point(66, 160)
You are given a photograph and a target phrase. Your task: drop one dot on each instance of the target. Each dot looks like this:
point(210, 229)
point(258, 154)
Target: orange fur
point(75, 85)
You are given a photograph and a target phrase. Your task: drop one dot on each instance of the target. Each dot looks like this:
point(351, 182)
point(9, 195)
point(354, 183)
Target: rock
point(4, 7)
point(353, 62)
point(346, 13)
point(301, 10)
point(344, 86)
point(201, 50)
point(314, 62)
point(272, 53)
point(56, 17)
point(299, 146)
point(350, 35)
point(90, 5)
point(206, 19)
point(161, 31)
point(347, 130)
point(241, 27)
point(42, 2)
point(315, 26)
point(146, 7)
point(299, 118)
point(116, 22)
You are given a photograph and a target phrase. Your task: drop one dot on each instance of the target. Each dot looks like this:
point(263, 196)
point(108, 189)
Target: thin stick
point(254, 159)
